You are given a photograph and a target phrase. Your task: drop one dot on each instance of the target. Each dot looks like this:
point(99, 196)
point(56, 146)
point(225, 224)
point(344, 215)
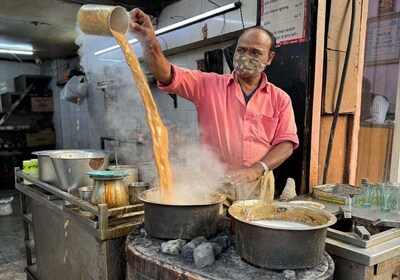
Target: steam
point(196, 169)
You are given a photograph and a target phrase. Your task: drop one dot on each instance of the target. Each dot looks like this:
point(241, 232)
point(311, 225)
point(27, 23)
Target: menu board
point(383, 40)
point(286, 19)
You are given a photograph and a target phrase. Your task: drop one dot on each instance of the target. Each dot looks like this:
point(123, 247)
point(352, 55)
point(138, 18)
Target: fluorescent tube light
point(16, 52)
point(183, 23)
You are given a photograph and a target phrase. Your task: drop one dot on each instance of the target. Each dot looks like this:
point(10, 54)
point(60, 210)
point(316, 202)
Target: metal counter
point(376, 258)
point(68, 244)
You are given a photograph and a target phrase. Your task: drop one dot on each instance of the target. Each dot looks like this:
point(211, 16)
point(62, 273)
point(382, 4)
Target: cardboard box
point(42, 104)
point(42, 138)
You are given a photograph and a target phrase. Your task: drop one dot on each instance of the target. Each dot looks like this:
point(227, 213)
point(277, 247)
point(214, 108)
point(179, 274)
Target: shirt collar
point(264, 80)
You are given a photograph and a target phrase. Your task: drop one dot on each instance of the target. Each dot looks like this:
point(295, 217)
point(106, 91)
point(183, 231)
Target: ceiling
point(49, 25)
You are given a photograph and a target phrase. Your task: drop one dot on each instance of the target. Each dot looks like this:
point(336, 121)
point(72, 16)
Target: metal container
point(110, 191)
point(47, 172)
point(134, 189)
point(71, 167)
point(280, 235)
point(170, 221)
point(132, 170)
point(86, 192)
point(148, 172)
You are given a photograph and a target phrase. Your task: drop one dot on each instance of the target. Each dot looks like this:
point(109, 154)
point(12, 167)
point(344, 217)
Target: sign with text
point(286, 19)
point(383, 40)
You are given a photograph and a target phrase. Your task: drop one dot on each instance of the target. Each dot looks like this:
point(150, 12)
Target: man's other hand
point(245, 175)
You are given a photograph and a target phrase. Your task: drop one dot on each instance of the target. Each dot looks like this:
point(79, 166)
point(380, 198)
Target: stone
point(222, 240)
point(217, 249)
point(143, 232)
point(172, 247)
point(289, 274)
point(204, 255)
point(187, 250)
point(199, 240)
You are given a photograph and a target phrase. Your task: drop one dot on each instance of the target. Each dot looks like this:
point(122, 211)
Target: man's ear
point(271, 57)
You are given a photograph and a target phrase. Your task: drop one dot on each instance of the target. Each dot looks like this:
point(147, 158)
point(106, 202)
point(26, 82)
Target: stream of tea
point(157, 128)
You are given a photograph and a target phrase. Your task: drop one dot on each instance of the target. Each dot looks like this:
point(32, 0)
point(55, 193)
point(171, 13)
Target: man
point(248, 121)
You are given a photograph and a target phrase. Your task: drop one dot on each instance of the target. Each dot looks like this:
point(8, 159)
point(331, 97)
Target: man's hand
point(245, 175)
point(154, 58)
point(142, 27)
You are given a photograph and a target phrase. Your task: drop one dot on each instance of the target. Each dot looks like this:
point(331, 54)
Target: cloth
point(263, 189)
point(240, 135)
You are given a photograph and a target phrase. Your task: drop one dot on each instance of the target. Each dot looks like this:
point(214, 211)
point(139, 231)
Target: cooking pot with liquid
point(280, 235)
point(181, 220)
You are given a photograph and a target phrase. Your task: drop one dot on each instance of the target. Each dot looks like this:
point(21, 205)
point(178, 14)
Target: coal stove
point(146, 261)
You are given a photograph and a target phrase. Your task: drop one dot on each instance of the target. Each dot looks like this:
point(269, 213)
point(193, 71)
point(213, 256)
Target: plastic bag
point(75, 90)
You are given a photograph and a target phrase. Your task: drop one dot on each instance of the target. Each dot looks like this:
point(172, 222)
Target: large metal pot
point(46, 169)
point(71, 167)
point(280, 235)
point(173, 221)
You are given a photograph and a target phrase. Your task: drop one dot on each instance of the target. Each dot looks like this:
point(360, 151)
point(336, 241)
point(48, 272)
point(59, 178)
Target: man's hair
point(269, 33)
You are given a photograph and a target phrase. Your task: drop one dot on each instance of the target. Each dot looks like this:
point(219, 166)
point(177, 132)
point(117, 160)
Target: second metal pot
point(293, 236)
point(169, 221)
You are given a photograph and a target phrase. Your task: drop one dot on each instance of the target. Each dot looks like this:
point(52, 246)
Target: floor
point(12, 250)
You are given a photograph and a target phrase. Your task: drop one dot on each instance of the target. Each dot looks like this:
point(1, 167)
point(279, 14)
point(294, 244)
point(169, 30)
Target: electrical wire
point(241, 16)
point(224, 23)
point(340, 94)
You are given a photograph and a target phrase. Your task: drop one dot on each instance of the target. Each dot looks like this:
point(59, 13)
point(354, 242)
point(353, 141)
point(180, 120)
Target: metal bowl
point(71, 167)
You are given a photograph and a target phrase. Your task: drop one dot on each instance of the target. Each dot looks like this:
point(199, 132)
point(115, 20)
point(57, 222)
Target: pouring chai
point(94, 19)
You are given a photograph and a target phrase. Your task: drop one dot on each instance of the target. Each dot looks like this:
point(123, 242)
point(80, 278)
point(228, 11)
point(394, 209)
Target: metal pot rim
point(49, 153)
point(142, 196)
point(331, 219)
point(81, 154)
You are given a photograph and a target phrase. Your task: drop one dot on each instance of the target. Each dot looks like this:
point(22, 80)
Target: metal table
point(376, 258)
point(67, 244)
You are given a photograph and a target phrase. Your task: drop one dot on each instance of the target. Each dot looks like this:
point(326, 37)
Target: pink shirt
point(241, 135)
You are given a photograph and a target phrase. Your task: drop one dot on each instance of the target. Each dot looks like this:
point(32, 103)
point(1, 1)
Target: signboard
point(286, 19)
point(383, 40)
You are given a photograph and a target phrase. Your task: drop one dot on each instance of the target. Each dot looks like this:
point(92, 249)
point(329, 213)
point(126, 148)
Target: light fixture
point(183, 23)
point(16, 52)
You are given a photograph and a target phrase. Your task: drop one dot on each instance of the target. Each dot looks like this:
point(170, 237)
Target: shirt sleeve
point(286, 128)
point(186, 83)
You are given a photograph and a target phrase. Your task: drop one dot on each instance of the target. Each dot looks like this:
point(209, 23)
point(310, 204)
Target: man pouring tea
point(246, 120)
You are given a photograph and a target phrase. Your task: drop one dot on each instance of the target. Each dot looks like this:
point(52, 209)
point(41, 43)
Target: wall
point(77, 126)
point(11, 69)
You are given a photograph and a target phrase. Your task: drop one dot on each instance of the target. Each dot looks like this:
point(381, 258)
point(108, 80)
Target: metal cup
point(86, 192)
point(99, 19)
point(134, 189)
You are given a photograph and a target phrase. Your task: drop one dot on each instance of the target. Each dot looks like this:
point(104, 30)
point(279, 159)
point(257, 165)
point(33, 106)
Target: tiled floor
point(12, 250)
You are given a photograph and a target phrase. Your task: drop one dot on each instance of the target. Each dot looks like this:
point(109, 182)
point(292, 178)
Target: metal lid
point(108, 174)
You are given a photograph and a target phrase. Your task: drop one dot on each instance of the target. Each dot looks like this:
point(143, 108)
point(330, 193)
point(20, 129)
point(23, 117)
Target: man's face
point(256, 44)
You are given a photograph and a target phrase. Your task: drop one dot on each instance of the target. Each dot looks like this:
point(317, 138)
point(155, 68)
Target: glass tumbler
point(386, 197)
point(367, 196)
